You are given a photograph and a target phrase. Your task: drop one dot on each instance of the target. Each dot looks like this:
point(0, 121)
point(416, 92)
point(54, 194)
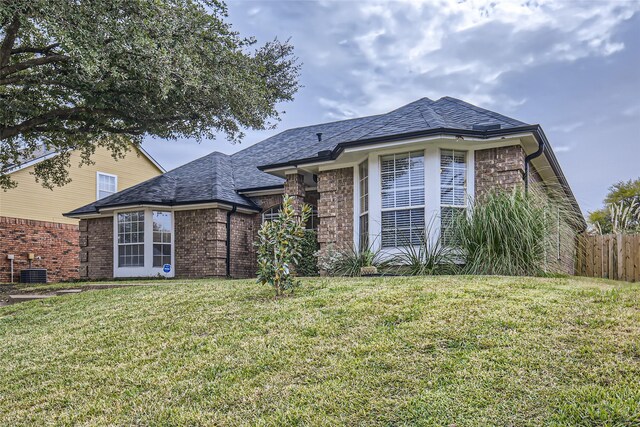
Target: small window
point(131, 239)
point(161, 238)
point(312, 223)
point(107, 185)
point(271, 214)
point(363, 226)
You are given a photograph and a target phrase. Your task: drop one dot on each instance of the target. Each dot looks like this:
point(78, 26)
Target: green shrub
point(279, 246)
point(307, 265)
point(429, 257)
point(511, 234)
point(348, 261)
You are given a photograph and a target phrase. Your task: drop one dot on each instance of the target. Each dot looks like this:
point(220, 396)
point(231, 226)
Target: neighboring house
point(370, 179)
point(31, 216)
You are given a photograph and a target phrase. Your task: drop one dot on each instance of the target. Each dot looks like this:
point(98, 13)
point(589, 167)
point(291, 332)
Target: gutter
point(527, 161)
point(229, 213)
point(536, 130)
point(328, 155)
point(167, 204)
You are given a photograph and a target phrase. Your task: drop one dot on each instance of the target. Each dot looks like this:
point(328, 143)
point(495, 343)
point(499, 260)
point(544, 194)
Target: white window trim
point(148, 270)
point(431, 185)
point(98, 182)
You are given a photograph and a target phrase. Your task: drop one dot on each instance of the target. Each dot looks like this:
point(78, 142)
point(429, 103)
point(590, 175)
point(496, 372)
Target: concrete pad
point(28, 297)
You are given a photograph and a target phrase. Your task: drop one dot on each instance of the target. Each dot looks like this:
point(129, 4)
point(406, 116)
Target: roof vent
point(324, 153)
point(486, 126)
point(319, 135)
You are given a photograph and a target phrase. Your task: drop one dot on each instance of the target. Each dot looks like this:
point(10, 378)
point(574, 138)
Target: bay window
point(453, 191)
point(403, 198)
point(143, 243)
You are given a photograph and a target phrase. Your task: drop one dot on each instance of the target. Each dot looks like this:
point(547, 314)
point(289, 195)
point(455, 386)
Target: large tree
point(77, 74)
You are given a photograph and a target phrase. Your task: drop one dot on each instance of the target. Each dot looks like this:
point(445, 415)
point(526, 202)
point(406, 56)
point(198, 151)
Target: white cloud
point(567, 127)
point(477, 42)
point(562, 149)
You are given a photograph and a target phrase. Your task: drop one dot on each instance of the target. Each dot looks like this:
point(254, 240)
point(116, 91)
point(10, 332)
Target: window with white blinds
point(363, 226)
point(403, 195)
point(453, 191)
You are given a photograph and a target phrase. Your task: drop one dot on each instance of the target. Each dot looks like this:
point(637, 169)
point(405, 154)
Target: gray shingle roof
point(219, 177)
point(207, 179)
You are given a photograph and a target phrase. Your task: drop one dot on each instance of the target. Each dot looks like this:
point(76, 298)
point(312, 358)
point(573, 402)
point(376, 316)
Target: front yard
point(464, 351)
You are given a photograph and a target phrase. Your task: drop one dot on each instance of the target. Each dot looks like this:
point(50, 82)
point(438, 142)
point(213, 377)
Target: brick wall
point(96, 248)
point(55, 244)
point(200, 240)
point(335, 207)
point(501, 167)
point(244, 232)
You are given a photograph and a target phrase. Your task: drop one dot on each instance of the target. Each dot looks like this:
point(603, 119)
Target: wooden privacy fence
point(610, 256)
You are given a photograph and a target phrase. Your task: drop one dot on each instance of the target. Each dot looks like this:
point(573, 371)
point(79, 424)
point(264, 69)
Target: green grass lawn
point(463, 351)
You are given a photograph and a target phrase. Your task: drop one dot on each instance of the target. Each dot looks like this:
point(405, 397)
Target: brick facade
point(54, 245)
point(501, 167)
point(96, 248)
point(335, 207)
point(294, 187)
point(200, 243)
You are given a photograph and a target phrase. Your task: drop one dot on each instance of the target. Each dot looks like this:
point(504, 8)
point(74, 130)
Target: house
point(370, 181)
point(31, 216)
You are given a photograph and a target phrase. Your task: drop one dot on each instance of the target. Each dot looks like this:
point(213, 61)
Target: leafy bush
point(511, 234)
point(279, 246)
point(307, 265)
point(429, 257)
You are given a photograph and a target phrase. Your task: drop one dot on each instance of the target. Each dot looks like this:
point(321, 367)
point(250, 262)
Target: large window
point(161, 238)
point(403, 195)
point(131, 239)
point(453, 191)
point(107, 185)
point(363, 226)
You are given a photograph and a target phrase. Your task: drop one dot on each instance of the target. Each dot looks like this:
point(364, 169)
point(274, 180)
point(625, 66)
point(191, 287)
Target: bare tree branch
point(7, 70)
point(43, 50)
point(9, 39)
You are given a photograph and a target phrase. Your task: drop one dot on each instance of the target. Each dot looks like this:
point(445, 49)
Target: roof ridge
point(417, 106)
point(481, 110)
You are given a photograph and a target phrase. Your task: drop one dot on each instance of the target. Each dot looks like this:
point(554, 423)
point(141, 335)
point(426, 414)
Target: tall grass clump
point(428, 257)
point(515, 234)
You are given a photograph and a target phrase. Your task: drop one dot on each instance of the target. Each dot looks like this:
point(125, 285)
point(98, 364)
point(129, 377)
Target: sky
point(571, 66)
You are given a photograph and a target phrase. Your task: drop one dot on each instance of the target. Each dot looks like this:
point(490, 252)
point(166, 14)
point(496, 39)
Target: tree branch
point(63, 113)
point(42, 50)
point(88, 129)
point(7, 70)
point(9, 39)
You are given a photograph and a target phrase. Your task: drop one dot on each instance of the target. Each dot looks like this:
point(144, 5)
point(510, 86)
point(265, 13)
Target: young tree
point(279, 246)
point(76, 74)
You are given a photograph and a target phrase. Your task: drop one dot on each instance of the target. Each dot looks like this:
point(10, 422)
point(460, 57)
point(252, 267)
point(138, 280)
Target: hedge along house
point(371, 180)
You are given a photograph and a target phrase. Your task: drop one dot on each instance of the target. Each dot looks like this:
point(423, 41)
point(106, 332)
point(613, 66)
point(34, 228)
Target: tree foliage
point(621, 211)
point(79, 74)
point(279, 246)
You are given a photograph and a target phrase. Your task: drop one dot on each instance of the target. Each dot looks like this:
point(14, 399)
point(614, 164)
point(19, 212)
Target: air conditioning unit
point(33, 275)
